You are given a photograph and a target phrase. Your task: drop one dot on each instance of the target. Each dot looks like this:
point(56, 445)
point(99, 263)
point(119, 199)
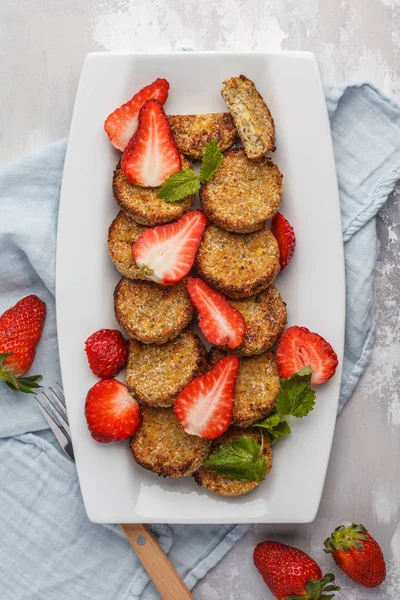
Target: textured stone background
point(43, 43)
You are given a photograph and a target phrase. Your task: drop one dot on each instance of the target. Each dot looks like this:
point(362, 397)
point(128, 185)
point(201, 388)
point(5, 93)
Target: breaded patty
point(152, 313)
point(122, 234)
point(265, 316)
point(257, 386)
point(243, 193)
point(192, 133)
point(238, 265)
point(158, 373)
point(142, 204)
point(251, 115)
point(161, 445)
point(229, 487)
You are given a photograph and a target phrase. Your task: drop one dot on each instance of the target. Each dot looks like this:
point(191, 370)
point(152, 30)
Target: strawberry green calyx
point(18, 384)
point(345, 538)
point(145, 271)
point(318, 589)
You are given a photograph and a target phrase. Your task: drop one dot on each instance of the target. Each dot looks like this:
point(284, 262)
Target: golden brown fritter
point(192, 133)
point(162, 446)
point(243, 193)
point(158, 373)
point(257, 386)
point(142, 204)
point(229, 487)
point(238, 265)
point(152, 313)
point(265, 316)
point(251, 115)
point(123, 233)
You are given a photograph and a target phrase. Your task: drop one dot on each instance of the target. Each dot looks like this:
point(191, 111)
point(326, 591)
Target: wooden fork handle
point(159, 568)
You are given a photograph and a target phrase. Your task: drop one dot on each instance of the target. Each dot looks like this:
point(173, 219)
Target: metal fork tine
point(57, 405)
point(52, 417)
point(51, 420)
point(60, 394)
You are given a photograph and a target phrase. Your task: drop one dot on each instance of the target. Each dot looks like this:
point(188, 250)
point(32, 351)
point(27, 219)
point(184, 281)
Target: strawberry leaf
point(179, 185)
point(18, 384)
point(240, 460)
point(315, 589)
point(211, 160)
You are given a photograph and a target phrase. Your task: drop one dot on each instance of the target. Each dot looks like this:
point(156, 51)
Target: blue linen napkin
point(49, 548)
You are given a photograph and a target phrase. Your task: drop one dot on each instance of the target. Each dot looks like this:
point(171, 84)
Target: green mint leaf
point(275, 427)
point(240, 460)
point(270, 422)
point(211, 160)
point(280, 431)
point(179, 185)
point(296, 396)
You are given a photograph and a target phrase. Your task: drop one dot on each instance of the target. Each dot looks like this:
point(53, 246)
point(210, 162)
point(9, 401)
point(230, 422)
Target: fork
point(159, 568)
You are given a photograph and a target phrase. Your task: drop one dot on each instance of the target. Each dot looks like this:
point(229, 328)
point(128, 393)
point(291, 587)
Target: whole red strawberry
point(112, 413)
point(284, 234)
point(20, 329)
point(106, 352)
point(291, 574)
point(357, 553)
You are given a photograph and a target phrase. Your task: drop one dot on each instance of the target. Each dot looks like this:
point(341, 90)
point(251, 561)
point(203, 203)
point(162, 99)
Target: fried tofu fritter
point(243, 193)
point(251, 115)
point(142, 203)
point(122, 234)
point(158, 373)
point(238, 265)
point(162, 446)
point(257, 386)
point(192, 133)
point(265, 316)
point(151, 313)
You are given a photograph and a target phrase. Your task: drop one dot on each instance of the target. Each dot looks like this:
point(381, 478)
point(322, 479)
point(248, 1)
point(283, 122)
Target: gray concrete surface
point(43, 44)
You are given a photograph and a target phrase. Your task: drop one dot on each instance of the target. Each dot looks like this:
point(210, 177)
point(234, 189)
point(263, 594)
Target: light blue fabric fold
point(49, 549)
point(365, 128)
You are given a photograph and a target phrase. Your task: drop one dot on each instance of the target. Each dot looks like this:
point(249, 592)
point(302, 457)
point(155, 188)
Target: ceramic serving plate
point(114, 488)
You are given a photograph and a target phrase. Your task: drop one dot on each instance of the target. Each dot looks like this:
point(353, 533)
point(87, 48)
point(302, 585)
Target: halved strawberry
point(166, 253)
point(151, 155)
point(123, 122)
point(112, 413)
point(284, 234)
point(299, 347)
point(204, 407)
point(220, 322)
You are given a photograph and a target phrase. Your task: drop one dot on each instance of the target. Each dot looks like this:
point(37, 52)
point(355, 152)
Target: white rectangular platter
point(114, 488)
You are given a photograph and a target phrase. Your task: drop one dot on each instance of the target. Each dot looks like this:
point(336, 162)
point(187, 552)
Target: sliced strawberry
point(123, 122)
point(166, 253)
point(299, 347)
point(204, 407)
point(151, 156)
point(112, 413)
point(284, 234)
point(220, 322)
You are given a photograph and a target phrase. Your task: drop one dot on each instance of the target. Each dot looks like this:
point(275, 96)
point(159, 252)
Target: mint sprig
point(210, 162)
point(296, 398)
point(179, 185)
point(185, 183)
point(240, 460)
